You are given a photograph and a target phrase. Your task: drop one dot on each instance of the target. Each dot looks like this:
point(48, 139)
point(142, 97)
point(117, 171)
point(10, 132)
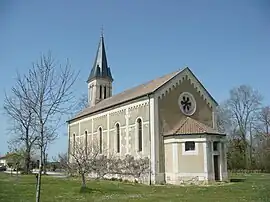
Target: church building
point(171, 120)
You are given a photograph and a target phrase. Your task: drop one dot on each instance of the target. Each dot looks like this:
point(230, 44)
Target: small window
point(139, 127)
point(100, 140)
point(215, 146)
point(117, 138)
point(189, 146)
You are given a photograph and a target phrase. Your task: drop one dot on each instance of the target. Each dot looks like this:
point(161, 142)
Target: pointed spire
point(100, 68)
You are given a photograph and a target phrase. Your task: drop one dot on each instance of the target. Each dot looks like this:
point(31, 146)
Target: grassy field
point(256, 187)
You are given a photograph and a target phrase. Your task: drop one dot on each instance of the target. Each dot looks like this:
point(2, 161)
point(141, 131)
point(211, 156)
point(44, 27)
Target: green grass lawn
point(256, 187)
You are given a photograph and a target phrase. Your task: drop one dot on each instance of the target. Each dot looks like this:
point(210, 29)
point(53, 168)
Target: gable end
point(187, 74)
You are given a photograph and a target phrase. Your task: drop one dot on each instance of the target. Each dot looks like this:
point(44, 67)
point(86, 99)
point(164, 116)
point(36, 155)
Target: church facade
point(171, 120)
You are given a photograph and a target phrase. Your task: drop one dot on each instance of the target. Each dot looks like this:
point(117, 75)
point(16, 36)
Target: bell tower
point(100, 78)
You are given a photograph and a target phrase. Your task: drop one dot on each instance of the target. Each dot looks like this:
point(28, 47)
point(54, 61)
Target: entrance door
point(216, 167)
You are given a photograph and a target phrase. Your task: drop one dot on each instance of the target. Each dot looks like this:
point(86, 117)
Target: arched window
point(100, 140)
point(139, 130)
point(117, 138)
point(100, 92)
point(85, 139)
point(73, 141)
point(104, 92)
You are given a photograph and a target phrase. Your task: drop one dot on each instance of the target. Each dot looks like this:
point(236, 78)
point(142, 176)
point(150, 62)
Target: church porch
point(194, 156)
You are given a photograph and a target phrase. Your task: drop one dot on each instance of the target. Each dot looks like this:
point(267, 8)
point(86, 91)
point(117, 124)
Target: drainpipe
point(149, 129)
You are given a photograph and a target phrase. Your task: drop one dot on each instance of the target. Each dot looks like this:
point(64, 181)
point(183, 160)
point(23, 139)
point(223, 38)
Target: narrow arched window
point(100, 92)
point(139, 130)
point(104, 92)
point(100, 140)
point(73, 141)
point(117, 138)
point(85, 139)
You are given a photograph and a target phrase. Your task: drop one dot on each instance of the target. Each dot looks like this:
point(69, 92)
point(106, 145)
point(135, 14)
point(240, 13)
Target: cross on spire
point(102, 31)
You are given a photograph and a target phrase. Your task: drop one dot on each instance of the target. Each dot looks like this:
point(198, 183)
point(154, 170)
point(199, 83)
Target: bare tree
point(225, 123)
point(50, 136)
point(264, 118)
point(243, 105)
point(262, 140)
point(136, 167)
point(21, 119)
point(83, 160)
point(47, 91)
point(86, 159)
point(82, 103)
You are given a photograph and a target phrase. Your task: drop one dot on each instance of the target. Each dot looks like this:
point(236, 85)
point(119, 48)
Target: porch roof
point(189, 126)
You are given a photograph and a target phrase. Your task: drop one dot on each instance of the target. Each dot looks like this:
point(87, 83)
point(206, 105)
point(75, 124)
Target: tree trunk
point(251, 148)
point(44, 162)
point(83, 180)
point(246, 156)
point(27, 162)
point(17, 172)
point(39, 178)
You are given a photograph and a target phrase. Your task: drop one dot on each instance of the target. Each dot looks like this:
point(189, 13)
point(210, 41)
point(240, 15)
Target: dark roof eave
point(99, 77)
point(187, 134)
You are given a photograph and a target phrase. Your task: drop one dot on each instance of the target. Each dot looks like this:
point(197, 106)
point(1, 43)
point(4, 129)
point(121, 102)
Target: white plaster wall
point(176, 177)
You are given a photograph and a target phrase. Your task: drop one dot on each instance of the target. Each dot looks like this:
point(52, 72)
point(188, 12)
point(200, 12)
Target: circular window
point(187, 103)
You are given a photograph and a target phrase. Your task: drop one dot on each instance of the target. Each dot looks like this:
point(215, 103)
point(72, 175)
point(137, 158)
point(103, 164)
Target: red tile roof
point(191, 126)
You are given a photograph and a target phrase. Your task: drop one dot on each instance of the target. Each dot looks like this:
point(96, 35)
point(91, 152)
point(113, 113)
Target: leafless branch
point(21, 120)
point(82, 103)
point(243, 105)
point(46, 92)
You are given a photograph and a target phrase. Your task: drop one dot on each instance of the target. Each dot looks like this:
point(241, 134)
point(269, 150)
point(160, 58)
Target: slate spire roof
point(100, 68)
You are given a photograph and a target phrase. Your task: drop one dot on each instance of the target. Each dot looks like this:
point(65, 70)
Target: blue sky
point(225, 43)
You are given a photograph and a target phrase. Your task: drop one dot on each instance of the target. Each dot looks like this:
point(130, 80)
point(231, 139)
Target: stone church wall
point(85, 126)
point(74, 129)
point(100, 121)
point(126, 117)
point(117, 117)
point(170, 113)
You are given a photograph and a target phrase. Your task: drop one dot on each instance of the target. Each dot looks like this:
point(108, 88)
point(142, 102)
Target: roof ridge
point(184, 121)
point(129, 94)
point(200, 125)
point(190, 126)
point(143, 85)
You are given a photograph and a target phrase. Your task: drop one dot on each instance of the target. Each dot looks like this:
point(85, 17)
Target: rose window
point(187, 103)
